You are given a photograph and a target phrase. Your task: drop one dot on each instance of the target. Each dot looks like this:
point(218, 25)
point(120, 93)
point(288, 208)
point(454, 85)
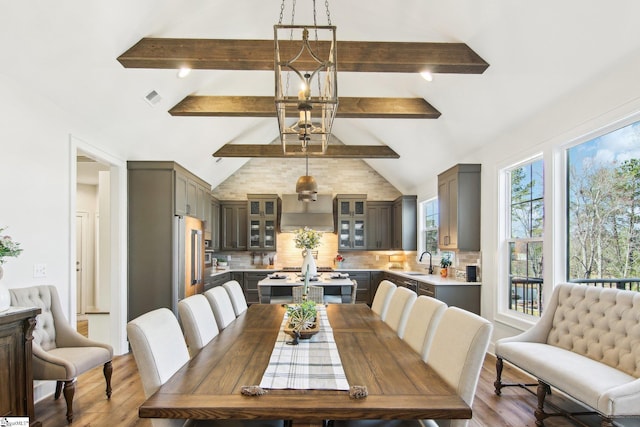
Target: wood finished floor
point(513, 409)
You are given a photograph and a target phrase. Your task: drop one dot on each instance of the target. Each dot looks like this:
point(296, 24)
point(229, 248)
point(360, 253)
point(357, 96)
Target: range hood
point(317, 215)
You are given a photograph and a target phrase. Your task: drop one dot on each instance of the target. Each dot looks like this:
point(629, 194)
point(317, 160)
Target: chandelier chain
point(326, 4)
point(281, 13)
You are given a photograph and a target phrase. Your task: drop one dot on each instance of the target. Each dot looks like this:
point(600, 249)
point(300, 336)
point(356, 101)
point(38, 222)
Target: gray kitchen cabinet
point(459, 208)
point(191, 195)
point(364, 284)
point(233, 225)
point(351, 215)
point(250, 285)
point(379, 225)
point(207, 216)
point(157, 192)
point(402, 281)
point(212, 225)
point(463, 296)
point(262, 214)
point(217, 280)
point(405, 218)
point(466, 297)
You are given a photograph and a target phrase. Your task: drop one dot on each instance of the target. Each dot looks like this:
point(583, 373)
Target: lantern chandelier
point(306, 85)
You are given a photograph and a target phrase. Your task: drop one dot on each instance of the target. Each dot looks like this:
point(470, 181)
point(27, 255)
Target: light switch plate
point(39, 271)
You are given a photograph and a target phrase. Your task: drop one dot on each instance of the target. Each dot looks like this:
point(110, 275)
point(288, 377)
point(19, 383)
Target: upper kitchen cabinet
point(212, 225)
point(192, 195)
point(379, 228)
point(405, 220)
point(459, 208)
point(262, 213)
point(351, 215)
point(233, 225)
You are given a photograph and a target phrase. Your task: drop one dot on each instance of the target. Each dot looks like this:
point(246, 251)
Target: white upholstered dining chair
point(221, 305)
point(159, 350)
point(459, 346)
point(381, 299)
point(421, 323)
point(399, 307)
point(198, 322)
point(236, 294)
point(60, 353)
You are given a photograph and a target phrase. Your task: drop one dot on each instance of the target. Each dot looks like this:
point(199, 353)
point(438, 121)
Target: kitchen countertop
point(433, 279)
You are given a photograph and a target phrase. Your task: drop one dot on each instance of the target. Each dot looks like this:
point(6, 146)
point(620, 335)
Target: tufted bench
point(586, 344)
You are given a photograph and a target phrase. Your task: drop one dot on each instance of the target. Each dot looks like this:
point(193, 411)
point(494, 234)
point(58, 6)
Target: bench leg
point(498, 382)
point(542, 391)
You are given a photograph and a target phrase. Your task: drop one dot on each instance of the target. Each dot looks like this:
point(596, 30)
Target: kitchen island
point(284, 282)
point(451, 290)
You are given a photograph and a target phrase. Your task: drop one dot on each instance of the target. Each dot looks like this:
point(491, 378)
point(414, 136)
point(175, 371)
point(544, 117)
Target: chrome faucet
point(430, 264)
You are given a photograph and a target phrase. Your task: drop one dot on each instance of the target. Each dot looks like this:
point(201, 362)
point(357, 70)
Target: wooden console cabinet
point(16, 376)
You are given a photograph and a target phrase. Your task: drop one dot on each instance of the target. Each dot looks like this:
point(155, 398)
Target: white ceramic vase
point(309, 261)
point(5, 297)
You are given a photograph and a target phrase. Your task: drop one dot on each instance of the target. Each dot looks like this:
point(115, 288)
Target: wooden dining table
point(400, 384)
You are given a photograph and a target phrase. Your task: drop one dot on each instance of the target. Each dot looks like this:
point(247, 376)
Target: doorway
point(98, 253)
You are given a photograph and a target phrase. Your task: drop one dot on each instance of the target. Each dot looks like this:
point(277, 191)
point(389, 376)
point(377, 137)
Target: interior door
point(81, 259)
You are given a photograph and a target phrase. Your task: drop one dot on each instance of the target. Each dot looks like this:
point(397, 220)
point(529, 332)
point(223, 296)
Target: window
point(429, 226)
point(525, 230)
point(603, 201)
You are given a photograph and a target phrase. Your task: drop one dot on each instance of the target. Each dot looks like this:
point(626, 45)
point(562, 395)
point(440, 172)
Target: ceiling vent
point(153, 98)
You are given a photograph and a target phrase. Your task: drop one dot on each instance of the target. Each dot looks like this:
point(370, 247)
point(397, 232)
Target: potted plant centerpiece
point(303, 321)
point(308, 239)
point(445, 263)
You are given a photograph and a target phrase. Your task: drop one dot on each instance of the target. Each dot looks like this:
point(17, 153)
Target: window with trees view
point(525, 236)
point(604, 209)
point(430, 225)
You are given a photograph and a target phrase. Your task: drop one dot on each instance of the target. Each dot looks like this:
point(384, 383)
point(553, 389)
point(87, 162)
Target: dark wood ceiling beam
point(333, 151)
point(264, 106)
point(357, 56)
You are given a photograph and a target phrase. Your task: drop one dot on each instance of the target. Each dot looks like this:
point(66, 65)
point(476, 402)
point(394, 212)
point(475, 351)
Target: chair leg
point(58, 389)
point(107, 370)
point(69, 391)
point(497, 384)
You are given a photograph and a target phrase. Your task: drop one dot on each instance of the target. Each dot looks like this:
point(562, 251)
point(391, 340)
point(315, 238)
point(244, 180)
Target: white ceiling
point(66, 51)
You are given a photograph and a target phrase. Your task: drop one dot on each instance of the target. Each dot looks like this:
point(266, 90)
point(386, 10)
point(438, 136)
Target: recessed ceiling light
point(183, 72)
point(427, 75)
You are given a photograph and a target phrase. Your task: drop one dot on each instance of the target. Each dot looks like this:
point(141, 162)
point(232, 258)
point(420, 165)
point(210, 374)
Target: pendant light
point(306, 186)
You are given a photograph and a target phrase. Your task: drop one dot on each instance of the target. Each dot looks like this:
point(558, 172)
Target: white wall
point(613, 97)
point(36, 190)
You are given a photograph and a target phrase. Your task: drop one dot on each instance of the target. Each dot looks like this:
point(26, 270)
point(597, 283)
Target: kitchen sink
point(416, 273)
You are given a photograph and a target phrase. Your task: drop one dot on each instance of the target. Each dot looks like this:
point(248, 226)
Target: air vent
point(153, 98)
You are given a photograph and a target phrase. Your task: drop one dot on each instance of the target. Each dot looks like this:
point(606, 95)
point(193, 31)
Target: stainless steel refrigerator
point(189, 258)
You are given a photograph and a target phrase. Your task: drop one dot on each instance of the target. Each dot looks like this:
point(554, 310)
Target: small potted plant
point(303, 321)
point(339, 260)
point(445, 263)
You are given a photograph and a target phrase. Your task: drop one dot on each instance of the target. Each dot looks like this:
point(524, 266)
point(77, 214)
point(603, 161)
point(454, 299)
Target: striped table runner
point(312, 364)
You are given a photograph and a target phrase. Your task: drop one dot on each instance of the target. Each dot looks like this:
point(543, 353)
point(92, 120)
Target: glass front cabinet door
point(262, 215)
point(351, 221)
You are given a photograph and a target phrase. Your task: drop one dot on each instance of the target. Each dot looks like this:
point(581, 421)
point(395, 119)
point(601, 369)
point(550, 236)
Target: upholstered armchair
point(59, 352)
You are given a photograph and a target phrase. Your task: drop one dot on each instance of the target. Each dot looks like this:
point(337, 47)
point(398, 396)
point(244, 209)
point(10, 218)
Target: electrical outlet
point(377, 257)
point(39, 270)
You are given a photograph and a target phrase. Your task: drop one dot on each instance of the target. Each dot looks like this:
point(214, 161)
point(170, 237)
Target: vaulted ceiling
point(67, 52)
